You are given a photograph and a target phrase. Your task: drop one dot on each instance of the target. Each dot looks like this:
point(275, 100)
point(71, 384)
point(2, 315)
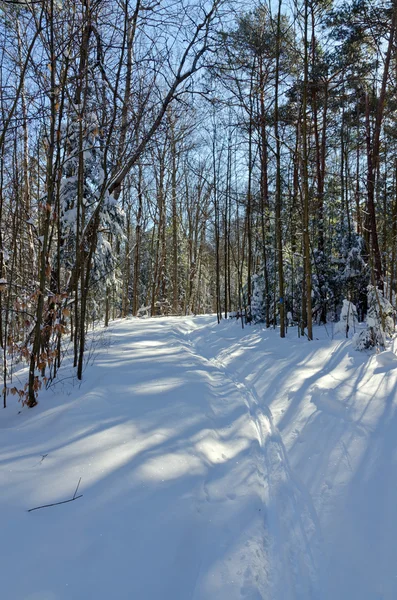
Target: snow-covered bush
point(380, 311)
point(364, 340)
point(348, 319)
point(380, 321)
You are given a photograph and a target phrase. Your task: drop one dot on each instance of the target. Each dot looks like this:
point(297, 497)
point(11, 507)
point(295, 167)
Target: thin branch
point(55, 503)
point(74, 495)
point(63, 501)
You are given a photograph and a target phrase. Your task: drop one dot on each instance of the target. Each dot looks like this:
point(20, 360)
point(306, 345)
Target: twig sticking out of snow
point(74, 495)
point(63, 501)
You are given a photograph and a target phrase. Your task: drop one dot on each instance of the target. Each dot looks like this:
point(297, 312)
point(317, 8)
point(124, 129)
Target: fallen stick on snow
point(63, 501)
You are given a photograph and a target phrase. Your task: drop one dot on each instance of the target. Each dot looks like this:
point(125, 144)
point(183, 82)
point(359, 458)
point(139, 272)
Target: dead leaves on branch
point(55, 318)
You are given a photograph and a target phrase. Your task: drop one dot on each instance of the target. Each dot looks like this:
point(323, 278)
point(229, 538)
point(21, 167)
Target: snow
point(387, 358)
point(70, 216)
point(348, 319)
point(216, 463)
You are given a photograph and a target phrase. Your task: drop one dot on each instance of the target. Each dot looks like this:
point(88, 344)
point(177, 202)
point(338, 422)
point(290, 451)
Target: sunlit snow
point(216, 463)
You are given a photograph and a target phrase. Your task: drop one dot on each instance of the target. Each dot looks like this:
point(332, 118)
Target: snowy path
point(216, 464)
point(291, 524)
point(173, 503)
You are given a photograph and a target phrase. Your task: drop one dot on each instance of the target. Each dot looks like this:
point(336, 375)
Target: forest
point(187, 157)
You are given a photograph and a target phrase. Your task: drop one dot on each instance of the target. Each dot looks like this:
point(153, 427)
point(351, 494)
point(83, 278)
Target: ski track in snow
point(254, 574)
point(291, 524)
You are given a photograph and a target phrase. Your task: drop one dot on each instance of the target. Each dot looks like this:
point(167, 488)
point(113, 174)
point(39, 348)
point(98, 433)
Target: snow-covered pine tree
point(111, 217)
point(380, 321)
point(352, 275)
point(322, 292)
point(258, 308)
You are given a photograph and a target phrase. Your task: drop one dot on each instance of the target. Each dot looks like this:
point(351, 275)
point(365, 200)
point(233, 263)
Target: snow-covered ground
point(216, 464)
